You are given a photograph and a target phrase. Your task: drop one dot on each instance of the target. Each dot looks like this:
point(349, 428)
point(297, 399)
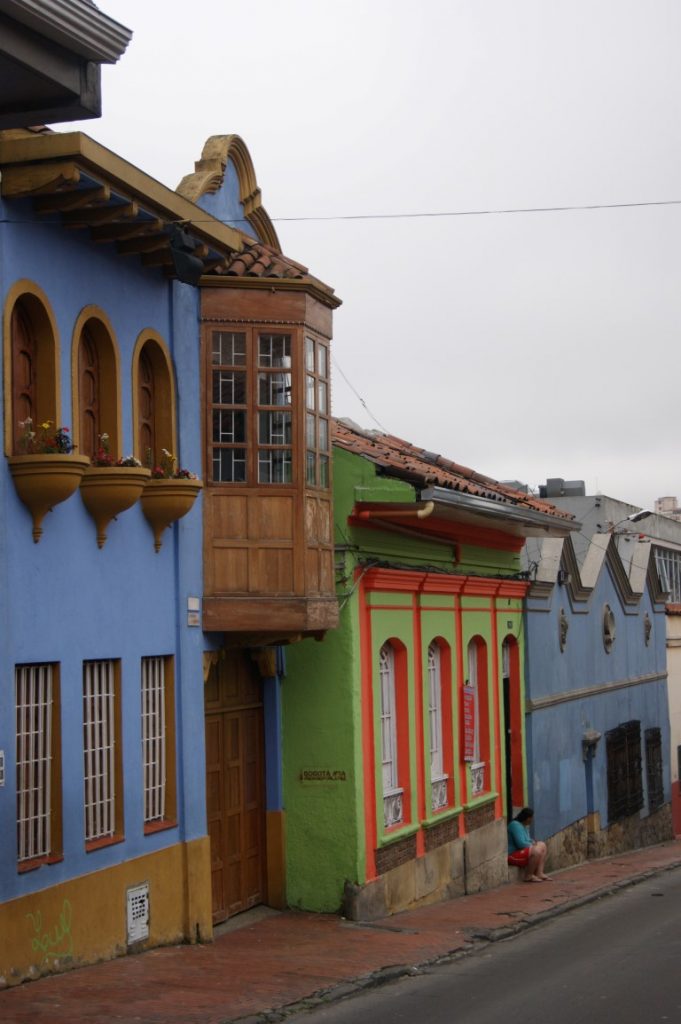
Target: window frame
point(94, 321)
point(150, 345)
point(34, 304)
point(102, 801)
point(480, 768)
point(159, 782)
point(47, 766)
point(256, 371)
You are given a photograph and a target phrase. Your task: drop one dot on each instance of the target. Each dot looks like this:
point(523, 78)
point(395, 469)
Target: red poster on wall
point(469, 723)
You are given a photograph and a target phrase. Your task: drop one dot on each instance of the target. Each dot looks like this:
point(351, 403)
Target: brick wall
point(479, 816)
point(397, 853)
point(443, 832)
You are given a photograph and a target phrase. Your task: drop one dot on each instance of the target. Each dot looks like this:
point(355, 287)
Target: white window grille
point(154, 738)
point(99, 743)
point(34, 696)
point(477, 778)
point(473, 683)
point(392, 793)
point(438, 779)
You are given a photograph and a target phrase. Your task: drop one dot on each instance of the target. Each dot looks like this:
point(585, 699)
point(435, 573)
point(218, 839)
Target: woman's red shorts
point(520, 858)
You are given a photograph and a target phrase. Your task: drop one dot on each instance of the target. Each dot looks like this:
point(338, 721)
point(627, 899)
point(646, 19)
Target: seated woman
point(523, 851)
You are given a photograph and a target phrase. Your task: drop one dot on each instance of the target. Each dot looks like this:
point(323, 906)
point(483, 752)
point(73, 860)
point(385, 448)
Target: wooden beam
point(117, 232)
point(96, 216)
point(61, 202)
point(34, 179)
point(145, 243)
point(159, 258)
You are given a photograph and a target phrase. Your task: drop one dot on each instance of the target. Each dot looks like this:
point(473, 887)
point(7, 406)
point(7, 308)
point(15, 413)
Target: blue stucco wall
point(226, 205)
point(562, 787)
point(64, 600)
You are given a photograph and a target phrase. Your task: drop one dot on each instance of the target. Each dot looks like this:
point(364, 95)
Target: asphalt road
point(615, 961)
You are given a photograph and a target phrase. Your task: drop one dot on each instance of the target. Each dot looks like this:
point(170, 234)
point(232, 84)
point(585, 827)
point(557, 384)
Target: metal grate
point(99, 744)
point(625, 784)
point(34, 694)
point(138, 913)
point(154, 738)
point(654, 774)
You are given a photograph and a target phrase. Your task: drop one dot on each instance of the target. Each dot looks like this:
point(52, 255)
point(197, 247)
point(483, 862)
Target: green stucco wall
point(321, 695)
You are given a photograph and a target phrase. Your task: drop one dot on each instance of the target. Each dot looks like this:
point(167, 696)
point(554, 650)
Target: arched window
point(154, 409)
point(477, 740)
point(31, 354)
point(97, 391)
point(394, 735)
point(440, 725)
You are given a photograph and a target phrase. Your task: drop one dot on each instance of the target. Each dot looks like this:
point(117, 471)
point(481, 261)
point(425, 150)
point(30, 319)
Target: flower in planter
point(46, 439)
point(165, 470)
point(103, 456)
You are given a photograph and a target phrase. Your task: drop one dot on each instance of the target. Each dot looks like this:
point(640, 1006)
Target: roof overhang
point(50, 57)
point(90, 188)
point(477, 511)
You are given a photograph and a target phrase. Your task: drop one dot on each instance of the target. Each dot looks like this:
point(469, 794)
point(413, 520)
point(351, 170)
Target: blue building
point(103, 840)
point(597, 714)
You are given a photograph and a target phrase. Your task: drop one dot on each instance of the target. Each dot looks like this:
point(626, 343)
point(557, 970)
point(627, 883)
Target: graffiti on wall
point(54, 939)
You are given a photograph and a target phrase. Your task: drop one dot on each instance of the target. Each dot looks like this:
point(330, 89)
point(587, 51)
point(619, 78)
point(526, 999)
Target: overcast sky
point(525, 345)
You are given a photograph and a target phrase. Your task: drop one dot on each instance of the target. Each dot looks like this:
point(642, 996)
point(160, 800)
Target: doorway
point(235, 784)
point(513, 732)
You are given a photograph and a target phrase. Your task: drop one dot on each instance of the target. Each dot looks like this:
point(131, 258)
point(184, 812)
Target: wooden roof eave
point(80, 151)
point(311, 286)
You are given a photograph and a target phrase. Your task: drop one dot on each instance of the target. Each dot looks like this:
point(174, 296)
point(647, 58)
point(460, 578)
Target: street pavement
point(266, 965)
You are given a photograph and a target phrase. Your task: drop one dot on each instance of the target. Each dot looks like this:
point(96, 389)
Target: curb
point(476, 940)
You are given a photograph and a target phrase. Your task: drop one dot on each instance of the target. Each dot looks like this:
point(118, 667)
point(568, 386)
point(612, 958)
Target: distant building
point(668, 506)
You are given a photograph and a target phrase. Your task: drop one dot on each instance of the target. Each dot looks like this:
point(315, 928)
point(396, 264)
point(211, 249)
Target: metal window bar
point(34, 697)
point(668, 565)
point(154, 738)
point(653, 738)
point(435, 711)
point(388, 723)
point(99, 744)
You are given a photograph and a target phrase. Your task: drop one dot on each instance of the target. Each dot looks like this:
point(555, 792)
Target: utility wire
point(429, 214)
point(357, 395)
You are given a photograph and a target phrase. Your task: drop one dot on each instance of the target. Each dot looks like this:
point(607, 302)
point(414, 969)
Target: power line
point(435, 214)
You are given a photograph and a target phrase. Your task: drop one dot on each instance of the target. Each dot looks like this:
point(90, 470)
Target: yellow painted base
point(276, 859)
point(83, 920)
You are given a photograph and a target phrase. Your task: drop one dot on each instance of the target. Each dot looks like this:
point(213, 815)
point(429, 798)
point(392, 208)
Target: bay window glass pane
point(323, 435)
point(274, 350)
point(322, 396)
point(229, 348)
point(274, 388)
point(274, 467)
point(229, 427)
point(309, 355)
point(310, 433)
point(322, 361)
point(309, 392)
point(311, 468)
point(229, 387)
point(274, 427)
point(229, 465)
point(323, 470)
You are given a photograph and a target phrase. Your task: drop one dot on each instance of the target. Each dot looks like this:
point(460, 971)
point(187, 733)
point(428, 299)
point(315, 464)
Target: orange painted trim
point(158, 826)
point(410, 580)
point(39, 862)
point(368, 740)
point(498, 803)
point(98, 844)
point(420, 801)
point(462, 795)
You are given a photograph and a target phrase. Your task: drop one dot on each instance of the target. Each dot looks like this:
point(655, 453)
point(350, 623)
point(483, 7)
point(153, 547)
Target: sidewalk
point(267, 961)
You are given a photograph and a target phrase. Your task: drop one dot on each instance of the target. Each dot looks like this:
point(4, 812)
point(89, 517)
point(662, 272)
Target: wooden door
point(235, 778)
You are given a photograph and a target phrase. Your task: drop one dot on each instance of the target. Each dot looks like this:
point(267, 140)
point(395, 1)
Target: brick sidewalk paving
point(282, 959)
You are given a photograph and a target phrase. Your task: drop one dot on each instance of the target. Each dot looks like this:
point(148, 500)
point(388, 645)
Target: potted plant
point(45, 471)
point(168, 495)
point(110, 486)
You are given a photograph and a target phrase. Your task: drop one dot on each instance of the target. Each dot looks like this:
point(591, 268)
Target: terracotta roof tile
point(259, 260)
point(426, 469)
